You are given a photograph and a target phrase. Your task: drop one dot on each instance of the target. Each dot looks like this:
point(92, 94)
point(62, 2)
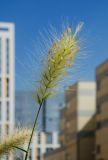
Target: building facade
point(42, 143)
point(7, 104)
point(77, 124)
point(26, 108)
point(102, 112)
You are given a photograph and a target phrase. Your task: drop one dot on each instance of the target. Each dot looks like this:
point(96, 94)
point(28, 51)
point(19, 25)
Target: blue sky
point(32, 16)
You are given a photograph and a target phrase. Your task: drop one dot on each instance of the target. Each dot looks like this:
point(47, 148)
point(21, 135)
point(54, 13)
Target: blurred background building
point(102, 112)
point(7, 95)
point(81, 121)
point(46, 138)
point(41, 144)
point(25, 108)
point(77, 124)
point(49, 116)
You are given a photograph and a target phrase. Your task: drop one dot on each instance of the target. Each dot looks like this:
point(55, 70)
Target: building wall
point(102, 111)
point(77, 124)
point(58, 154)
point(86, 140)
point(86, 102)
point(7, 104)
point(26, 109)
point(41, 144)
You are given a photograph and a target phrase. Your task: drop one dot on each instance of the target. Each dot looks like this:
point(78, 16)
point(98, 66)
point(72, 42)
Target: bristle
point(18, 138)
point(60, 58)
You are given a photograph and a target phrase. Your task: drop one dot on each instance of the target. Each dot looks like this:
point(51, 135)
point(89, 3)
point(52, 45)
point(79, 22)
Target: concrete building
point(102, 112)
point(26, 108)
point(77, 124)
point(7, 104)
point(42, 143)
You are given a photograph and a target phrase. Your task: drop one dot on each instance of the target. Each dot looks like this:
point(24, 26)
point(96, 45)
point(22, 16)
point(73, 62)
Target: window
point(39, 138)
point(98, 84)
point(7, 129)
point(30, 155)
point(7, 157)
point(105, 123)
point(4, 29)
point(98, 108)
point(66, 156)
point(0, 87)
point(86, 92)
point(39, 154)
point(7, 111)
point(98, 149)
point(49, 138)
point(7, 55)
point(0, 130)
point(98, 125)
point(0, 109)
point(0, 56)
point(49, 150)
point(7, 87)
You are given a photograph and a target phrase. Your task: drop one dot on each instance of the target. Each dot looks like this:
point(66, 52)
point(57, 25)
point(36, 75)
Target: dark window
point(39, 138)
point(4, 29)
point(0, 87)
point(98, 108)
point(98, 149)
point(0, 56)
point(98, 125)
point(30, 155)
point(49, 138)
point(7, 129)
point(7, 56)
point(49, 150)
point(0, 110)
point(0, 130)
point(66, 156)
point(7, 111)
point(39, 154)
point(7, 87)
point(105, 123)
point(7, 157)
point(98, 84)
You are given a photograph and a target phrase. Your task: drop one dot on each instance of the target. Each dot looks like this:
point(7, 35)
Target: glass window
point(7, 55)
point(105, 123)
point(98, 125)
point(30, 154)
point(98, 149)
point(98, 108)
point(0, 87)
point(0, 56)
point(4, 29)
point(7, 157)
point(49, 138)
point(39, 138)
point(7, 129)
point(0, 130)
point(7, 111)
point(49, 150)
point(0, 109)
point(39, 154)
point(7, 87)
point(98, 84)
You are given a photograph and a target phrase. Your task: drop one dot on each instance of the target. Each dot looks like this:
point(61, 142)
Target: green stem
point(35, 122)
point(20, 148)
